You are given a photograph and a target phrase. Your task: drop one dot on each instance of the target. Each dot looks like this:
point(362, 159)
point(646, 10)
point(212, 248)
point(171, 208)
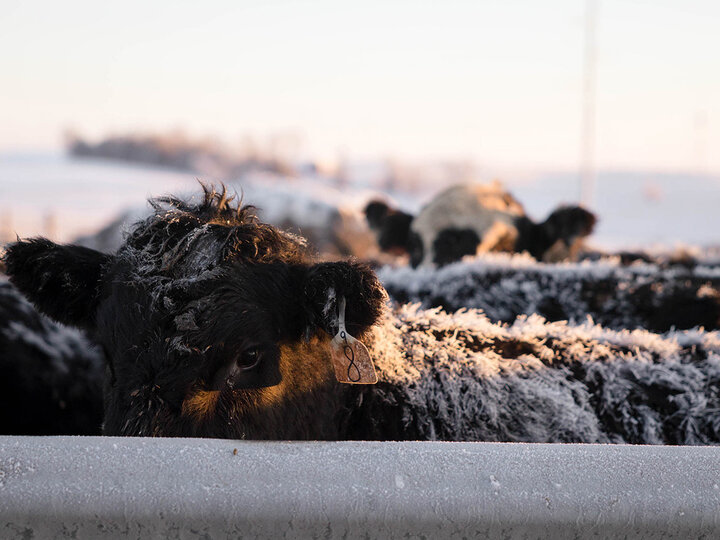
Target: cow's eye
point(249, 359)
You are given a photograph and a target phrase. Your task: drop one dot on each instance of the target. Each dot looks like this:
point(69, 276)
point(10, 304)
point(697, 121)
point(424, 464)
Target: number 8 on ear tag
point(350, 357)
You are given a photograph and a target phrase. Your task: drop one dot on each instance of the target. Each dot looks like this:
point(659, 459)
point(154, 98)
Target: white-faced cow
point(477, 218)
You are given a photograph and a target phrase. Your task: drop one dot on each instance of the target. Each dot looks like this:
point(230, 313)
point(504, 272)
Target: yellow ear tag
point(350, 357)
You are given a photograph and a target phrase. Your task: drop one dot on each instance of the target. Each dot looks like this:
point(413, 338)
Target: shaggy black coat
point(214, 324)
point(462, 377)
point(650, 296)
point(52, 375)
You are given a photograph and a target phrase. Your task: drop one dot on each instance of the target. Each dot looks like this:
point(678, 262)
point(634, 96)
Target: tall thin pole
point(587, 155)
point(701, 141)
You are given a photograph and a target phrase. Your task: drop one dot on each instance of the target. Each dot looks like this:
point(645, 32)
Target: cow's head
point(565, 230)
point(213, 323)
point(557, 238)
point(390, 225)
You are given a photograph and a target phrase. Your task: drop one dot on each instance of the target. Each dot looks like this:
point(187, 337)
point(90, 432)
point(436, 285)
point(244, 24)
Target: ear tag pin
point(350, 357)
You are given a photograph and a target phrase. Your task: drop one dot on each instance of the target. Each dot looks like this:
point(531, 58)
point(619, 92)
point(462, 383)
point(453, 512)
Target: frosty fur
point(462, 377)
point(652, 295)
point(51, 375)
point(196, 295)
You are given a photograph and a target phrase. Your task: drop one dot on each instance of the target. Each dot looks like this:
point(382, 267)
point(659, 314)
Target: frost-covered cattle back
point(462, 377)
point(51, 381)
point(612, 294)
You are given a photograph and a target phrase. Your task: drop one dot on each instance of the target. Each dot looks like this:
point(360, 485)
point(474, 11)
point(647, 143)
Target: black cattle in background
point(391, 226)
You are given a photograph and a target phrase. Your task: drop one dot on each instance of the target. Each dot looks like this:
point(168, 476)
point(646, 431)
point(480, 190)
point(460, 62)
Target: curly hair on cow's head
point(184, 238)
point(206, 315)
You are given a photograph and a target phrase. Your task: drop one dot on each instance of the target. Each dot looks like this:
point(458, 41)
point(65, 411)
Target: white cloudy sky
point(499, 82)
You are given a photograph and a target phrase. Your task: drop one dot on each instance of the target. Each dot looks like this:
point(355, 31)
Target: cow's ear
point(375, 213)
point(326, 283)
point(569, 223)
point(62, 281)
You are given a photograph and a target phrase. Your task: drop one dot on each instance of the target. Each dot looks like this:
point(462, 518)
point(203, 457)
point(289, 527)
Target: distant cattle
point(479, 218)
point(391, 227)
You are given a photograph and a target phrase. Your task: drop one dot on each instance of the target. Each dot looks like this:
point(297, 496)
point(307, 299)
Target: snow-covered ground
point(64, 198)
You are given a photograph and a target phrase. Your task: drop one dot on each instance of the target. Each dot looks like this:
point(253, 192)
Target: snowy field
point(41, 194)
